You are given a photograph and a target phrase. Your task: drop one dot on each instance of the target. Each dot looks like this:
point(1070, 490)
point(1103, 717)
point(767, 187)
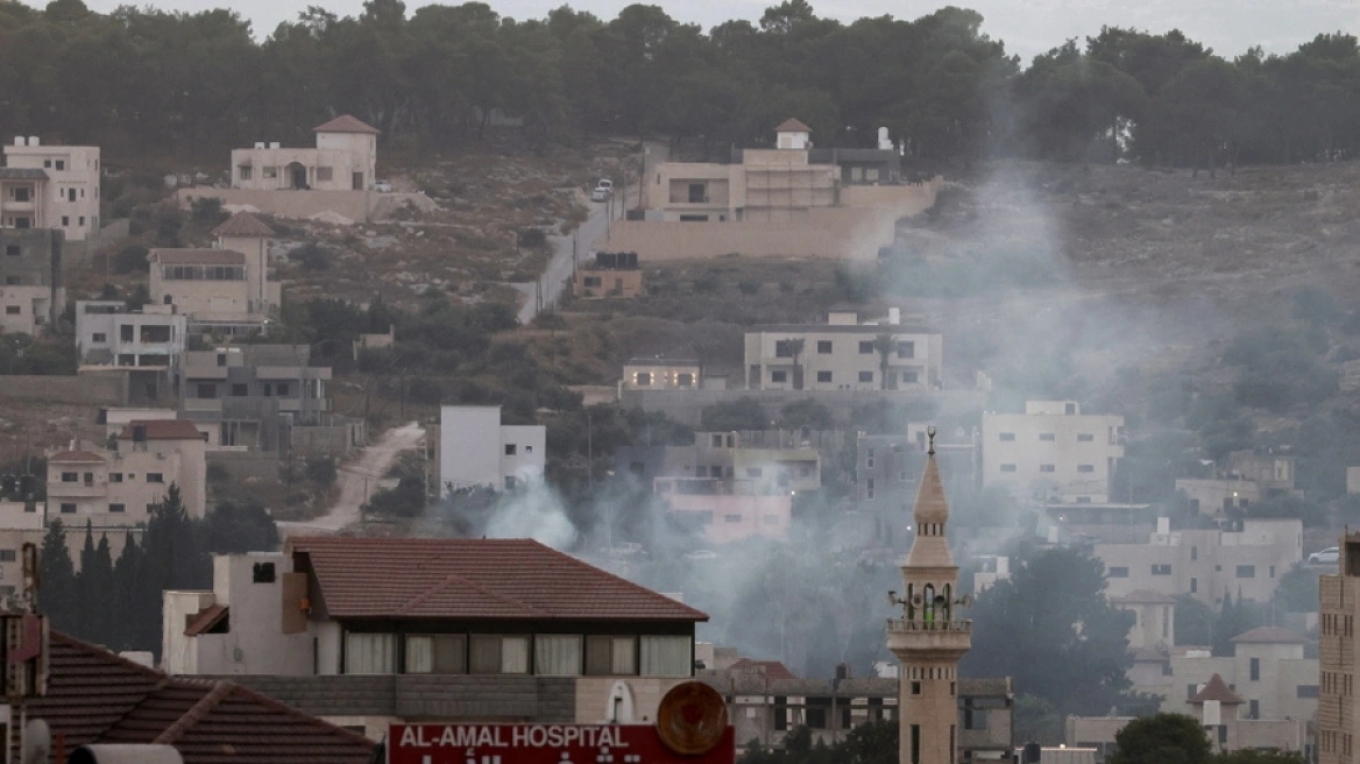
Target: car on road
point(604, 188)
point(382, 187)
point(1328, 556)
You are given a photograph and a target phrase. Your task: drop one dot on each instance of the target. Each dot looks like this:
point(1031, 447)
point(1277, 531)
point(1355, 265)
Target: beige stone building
point(611, 274)
point(345, 159)
point(51, 187)
point(116, 487)
point(1206, 564)
point(931, 637)
point(844, 354)
point(1337, 723)
point(1052, 452)
point(32, 289)
point(227, 287)
point(660, 373)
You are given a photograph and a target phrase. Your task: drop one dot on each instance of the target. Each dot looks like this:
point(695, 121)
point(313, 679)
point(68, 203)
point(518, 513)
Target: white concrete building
point(63, 191)
point(107, 334)
point(1052, 452)
point(229, 286)
point(345, 159)
point(475, 449)
point(1206, 564)
point(32, 289)
point(844, 354)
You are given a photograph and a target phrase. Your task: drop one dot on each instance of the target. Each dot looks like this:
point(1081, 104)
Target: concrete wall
point(331, 439)
point(330, 206)
point(862, 224)
point(241, 465)
point(92, 389)
point(687, 406)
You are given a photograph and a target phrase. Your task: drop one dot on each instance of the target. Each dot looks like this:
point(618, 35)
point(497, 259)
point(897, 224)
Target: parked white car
point(382, 187)
point(604, 189)
point(1328, 556)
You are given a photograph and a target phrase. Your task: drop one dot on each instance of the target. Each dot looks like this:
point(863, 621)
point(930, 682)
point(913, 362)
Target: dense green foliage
point(139, 79)
point(1161, 739)
point(118, 603)
point(1050, 627)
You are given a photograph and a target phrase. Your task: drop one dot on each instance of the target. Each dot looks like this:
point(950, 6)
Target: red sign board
point(541, 744)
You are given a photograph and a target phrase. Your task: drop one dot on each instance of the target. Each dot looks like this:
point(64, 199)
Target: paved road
point(358, 480)
point(589, 236)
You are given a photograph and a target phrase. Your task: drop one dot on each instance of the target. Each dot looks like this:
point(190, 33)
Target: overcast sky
point(1028, 27)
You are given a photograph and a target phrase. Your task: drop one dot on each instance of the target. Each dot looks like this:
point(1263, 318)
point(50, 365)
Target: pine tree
point(96, 584)
point(127, 606)
point(57, 597)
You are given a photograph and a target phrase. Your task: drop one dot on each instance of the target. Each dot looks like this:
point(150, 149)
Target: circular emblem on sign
point(691, 718)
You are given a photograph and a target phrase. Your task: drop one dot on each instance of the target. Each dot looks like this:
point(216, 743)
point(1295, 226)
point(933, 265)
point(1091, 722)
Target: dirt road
point(358, 480)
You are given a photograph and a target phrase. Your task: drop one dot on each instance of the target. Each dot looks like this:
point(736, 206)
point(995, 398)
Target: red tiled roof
point(244, 224)
point(76, 457)
point(473, 579)
point(205, 619)
point(163, 429)
point(771, 669)
point(94, 696)
point(1216, 689)
point(197, 256)
point(792, 125)
point(345, 124)
point(1269, 635)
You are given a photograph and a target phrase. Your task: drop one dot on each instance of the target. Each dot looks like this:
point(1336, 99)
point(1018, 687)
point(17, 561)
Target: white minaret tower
point(931, 638)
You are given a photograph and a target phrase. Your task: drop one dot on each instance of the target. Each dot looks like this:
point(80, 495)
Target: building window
point(644, 379)
point(1194, 586)
point(240, 391)
point(906, 350)
point(779, 376)
point(61, 164)
point(1246, 571)
point(262, 573)
point(1046, 468)
point(118, 508)
point(206, 390)
point(68, 509)
point(1255, 669)
point(1086, 468)
point(282, 389)
point(866, 376)
point(869, 489)
point(324, 174)
point(915, 688)
point(866, 348)
point(436, 654)
point(1254, 711)
point(155, 477)
point(1085, 437)
point(270, 172)
point(1161, 570)
point(99, 337)
point(370, 653)
point(684, 380)
point(911, 377)
point(499, 655)
point(823, 347)
point(731, 518)
point(12, 250)
point(511, 449)
point(1307, 691)
point(1047, 436)
point(65, 221)
point(783, 348)
point(666, 656)
point(20, 194)
point(115, 477)
point(823, 376)
point(11, 310)
point(8, 555)
point(1007, 437)
point(70, 477)
point(611, 656)
point(1118, 571)
point(557, 655)
point(1008, 468)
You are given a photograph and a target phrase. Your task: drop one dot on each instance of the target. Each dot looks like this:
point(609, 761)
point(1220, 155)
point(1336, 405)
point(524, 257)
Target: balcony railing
point(900, 624)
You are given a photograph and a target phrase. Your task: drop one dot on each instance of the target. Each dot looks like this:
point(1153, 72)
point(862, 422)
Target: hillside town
point(826, 418)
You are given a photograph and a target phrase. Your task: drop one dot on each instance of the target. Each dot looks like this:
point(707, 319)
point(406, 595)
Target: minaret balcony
point(937, 639)
point(902, 624)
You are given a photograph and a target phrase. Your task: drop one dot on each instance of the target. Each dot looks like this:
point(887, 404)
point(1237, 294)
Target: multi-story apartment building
point(251, 396)
point(843, 354)
point(51, 187)
point(345, 159)
point(454, 629)
point(117, 487)
point(21, 522)
point(223, 288)
point(33, 294)
point(475, 449)
point(1205, 563)
point(108, 334)
point(1337, 721)
point(1052, 452)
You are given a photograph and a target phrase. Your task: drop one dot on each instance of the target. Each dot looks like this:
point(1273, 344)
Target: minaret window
point(911, 602)
point(947, 603)
point(929, 605)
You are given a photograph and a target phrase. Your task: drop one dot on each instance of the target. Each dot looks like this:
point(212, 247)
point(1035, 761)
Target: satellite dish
point(37, 743)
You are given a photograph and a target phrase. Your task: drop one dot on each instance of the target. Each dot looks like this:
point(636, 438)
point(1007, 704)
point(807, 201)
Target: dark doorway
point(297, 174)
